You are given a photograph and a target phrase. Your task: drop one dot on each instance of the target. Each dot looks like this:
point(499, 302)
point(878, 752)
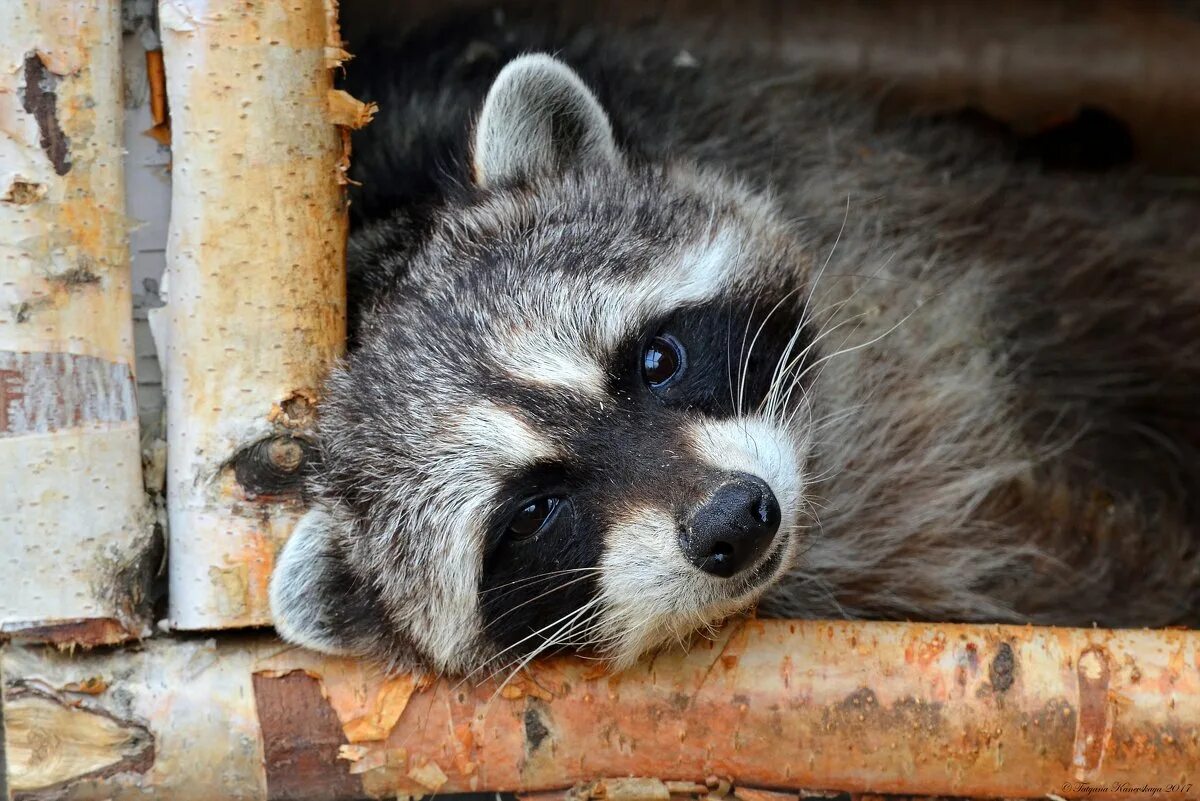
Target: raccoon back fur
point(643, 338)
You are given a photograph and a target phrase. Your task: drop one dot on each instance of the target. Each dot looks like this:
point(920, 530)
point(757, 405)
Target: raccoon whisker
point(825, 331)
point(830, 310)
point(806, 405)
point(745, 365)
point(823, 585)
point(819, 478)
point(798, 361)
point(743, 358)
point(809, 545)
point(535, 598)
point(798, 381)
point(742, 351)
point(589, 605)
point(548, 643)
point(578, 624)
point(776, 400)
point(779, 374)
point(538, 578)
point(828, 258)
point(814, 504)
point(729, 351)
point(826, 313)
point(704, 627)
point(582, 636)
point(835, 417)
point(876, 277)
point(518, 584)
point(861, 345)
point(538, 597)
point(872, 277)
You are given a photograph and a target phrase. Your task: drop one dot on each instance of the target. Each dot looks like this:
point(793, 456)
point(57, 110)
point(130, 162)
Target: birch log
point(77, 549)
point(986, 711)
point(255, 286)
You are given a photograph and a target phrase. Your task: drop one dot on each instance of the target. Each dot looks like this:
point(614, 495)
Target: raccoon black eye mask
point(662, 362)
point(639, 346)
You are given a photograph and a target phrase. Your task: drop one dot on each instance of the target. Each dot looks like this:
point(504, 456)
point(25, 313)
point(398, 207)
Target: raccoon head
point(577, 420)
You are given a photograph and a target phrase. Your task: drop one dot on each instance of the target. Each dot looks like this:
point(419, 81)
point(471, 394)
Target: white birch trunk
point(255, 287)
point(76, 533)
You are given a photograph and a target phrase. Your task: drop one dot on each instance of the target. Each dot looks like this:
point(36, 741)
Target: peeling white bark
point(256, 284)
point(922, 709)
point(73, 517)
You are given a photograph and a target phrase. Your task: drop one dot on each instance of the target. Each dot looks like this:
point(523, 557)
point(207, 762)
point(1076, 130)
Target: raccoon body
point(644, 337)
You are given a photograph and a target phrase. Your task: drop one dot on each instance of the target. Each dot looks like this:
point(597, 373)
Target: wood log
point(778, 706)
point(255, 286)
point(78, 540)
point(1032, 64)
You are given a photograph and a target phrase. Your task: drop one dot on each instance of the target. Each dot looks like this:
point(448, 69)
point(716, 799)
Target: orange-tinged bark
point(255, 286)
point(778, 706)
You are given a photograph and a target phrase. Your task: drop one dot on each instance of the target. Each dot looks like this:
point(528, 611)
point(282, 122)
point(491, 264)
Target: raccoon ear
point(316, 599)
point(539, 117)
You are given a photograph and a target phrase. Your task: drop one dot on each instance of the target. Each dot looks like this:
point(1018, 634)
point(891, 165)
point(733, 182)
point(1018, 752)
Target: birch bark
point(78, 550)
point(976, 711)
point(255, 286)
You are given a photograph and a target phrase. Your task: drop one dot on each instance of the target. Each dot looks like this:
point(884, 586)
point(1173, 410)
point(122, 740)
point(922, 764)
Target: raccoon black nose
point(733, 528)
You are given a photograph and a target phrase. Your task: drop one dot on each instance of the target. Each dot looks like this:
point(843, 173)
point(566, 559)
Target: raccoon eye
point(663, 360)
point(532, 518)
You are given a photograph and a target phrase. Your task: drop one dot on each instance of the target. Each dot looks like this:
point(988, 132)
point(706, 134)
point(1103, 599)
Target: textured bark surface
point(986, 711)
point(255, 287)
point(77, 536)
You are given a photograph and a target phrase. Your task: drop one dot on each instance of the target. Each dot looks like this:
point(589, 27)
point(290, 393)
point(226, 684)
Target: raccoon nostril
point(721, 555)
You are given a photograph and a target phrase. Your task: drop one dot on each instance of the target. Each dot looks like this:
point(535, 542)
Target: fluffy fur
point(973, 387)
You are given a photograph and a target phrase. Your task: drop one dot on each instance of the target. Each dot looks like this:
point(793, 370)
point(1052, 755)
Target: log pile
point(770, 710)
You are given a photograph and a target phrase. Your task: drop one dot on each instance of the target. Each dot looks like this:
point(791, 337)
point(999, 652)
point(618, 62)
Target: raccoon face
point(577, 421)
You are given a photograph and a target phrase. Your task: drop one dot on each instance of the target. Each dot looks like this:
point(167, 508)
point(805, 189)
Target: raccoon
point(643, 338)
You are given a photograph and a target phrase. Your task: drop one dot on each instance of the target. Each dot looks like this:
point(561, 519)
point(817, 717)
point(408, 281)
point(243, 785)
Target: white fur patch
point(297, 610)
point(651, 593)
point(757, 446)
point(553, 353)
point(482, 444)
point(700, 273)
point(551, 357)
point(508, 440)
